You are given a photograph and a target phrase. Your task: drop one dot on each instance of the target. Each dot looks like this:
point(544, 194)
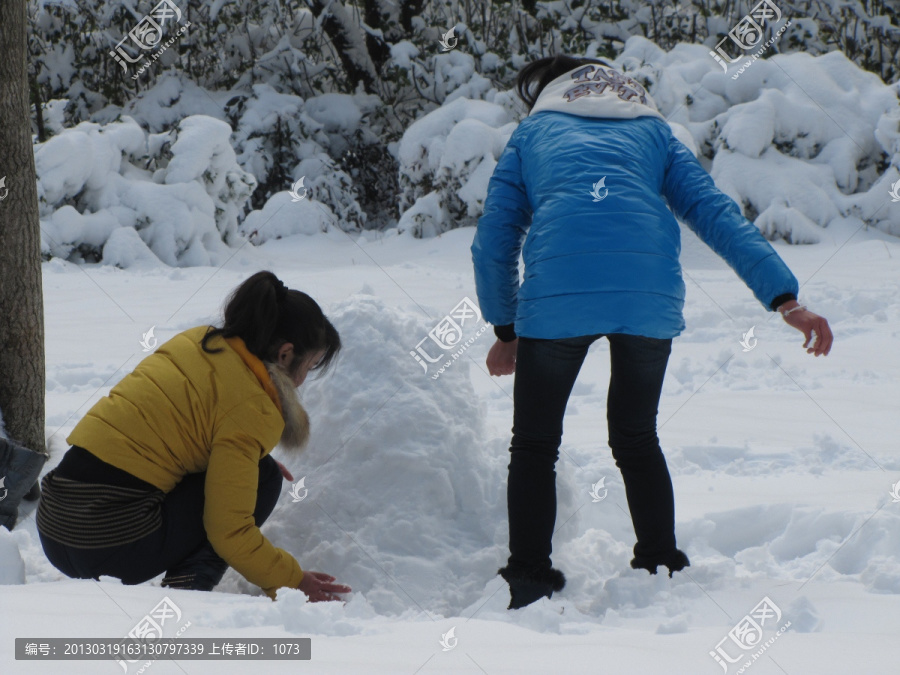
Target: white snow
point(785, 467)
point(782, 464)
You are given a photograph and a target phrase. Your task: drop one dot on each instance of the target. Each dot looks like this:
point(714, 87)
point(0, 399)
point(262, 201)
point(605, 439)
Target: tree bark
point(408, 10)
point(346, 36)
point(22, 380)
point(377, 17)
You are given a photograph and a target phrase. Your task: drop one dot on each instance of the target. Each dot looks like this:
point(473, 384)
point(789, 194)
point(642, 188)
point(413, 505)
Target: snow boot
point(200, 571)
point(530, 585)
point(675, 560)
point(19, 468)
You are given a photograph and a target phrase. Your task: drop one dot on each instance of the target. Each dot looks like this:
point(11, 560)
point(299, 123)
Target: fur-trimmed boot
point(675, 560)
point(200, 571)
point(530, 585)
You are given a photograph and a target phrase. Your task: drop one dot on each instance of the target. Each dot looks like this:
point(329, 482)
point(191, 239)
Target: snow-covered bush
point(280, 138)
point(446, 161)
point(181, 191)
point(282, 216)
point(326, 89)
point(796, 140)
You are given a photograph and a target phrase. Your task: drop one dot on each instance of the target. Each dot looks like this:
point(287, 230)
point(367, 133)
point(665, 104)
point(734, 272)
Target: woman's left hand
point(810, 324)
point(284, 471)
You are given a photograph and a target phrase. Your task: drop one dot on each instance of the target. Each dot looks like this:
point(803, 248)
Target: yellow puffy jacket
point(184, 411)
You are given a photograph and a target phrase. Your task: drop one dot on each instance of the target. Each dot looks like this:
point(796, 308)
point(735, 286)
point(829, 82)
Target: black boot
point(200, 571)
point(675, 560)
point(34, 493)
point(530, 585)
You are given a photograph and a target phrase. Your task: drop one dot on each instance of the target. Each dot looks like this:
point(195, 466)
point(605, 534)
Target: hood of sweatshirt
point(596, 91)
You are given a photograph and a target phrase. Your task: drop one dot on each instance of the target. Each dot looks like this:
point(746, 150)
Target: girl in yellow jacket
point(171, 471)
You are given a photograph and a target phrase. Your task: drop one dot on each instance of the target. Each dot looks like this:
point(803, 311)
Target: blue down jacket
point(587, 182)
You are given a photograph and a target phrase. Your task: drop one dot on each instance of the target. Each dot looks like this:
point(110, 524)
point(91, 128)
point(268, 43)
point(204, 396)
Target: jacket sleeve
point(498, 240)
point(232, 478)
point(718, 221)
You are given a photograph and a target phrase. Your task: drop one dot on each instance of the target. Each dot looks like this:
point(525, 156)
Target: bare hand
point(501, 360)
point(284, 471)
point(318, 587)
point(808, 322)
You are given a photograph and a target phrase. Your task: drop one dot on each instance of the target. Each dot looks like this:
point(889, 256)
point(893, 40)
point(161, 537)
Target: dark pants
point(545, 374)
point(181, 534)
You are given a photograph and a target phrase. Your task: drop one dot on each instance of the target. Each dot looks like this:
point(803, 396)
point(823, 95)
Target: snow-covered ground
point(783, 466)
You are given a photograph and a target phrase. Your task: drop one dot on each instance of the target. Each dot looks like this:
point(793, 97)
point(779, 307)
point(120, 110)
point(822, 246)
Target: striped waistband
point(93, 515)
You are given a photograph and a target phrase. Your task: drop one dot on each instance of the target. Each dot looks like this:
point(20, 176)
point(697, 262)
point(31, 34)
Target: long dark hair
point(532, 79)
point(265, 314)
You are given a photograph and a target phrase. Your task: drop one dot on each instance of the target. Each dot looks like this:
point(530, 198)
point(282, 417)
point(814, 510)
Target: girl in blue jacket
point(586, 190)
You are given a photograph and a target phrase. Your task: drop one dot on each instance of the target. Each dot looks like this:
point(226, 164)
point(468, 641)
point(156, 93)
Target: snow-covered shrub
point(282, 216)
point(281, 138)
point(446, 160)
point(798, 141)
point(182, 191)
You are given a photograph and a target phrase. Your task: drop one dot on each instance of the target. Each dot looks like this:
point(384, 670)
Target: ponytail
point(265, 314)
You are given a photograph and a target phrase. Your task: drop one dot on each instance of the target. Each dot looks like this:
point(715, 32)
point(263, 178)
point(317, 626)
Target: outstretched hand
point(811, 325)
point(318, 586)
point(501, 360)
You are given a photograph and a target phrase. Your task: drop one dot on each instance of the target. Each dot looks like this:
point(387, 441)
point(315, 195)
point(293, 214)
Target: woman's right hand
point(318, 587)
point(501, 360)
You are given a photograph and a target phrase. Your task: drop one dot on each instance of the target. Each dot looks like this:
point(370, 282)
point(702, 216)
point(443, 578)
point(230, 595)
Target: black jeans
point(181, 534)
point(545, 374)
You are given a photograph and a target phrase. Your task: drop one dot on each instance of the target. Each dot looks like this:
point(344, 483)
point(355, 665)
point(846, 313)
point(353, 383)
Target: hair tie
point(280, 290)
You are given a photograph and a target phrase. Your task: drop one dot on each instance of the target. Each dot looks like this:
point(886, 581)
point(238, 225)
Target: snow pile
point(798, 141)
point(181, 192)
point(406, 499)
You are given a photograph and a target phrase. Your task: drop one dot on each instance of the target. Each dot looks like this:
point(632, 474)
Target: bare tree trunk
point(408, 10)
point(346, 36)
point(21, 298)
point(378, 17)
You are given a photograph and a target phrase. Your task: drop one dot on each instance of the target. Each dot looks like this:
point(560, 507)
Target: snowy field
point(783, 466)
